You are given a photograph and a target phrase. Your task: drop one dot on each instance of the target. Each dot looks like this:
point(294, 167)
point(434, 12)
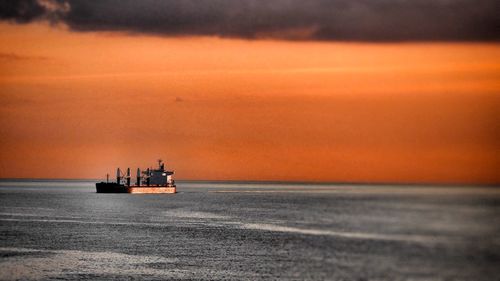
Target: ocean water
point(63, 230)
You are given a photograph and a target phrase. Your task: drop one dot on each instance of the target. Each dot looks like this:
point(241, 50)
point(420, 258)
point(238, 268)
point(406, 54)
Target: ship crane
point(128, 177)
point(138, 183)
point(146, 176)
point(120, 176)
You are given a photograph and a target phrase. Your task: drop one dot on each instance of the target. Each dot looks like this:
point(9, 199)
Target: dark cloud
point(342, 20)
point(21, 11)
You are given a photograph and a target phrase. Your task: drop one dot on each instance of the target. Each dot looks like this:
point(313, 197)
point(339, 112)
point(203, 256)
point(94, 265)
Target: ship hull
point(151, 189)
point(104, 187)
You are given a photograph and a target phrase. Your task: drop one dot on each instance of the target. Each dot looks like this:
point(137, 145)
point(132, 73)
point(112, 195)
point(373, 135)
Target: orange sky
point(77, 105)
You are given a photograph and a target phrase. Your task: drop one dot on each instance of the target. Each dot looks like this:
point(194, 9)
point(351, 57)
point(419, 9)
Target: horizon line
point(283, 182)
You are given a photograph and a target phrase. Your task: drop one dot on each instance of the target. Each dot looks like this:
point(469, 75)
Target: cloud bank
point(331, 20)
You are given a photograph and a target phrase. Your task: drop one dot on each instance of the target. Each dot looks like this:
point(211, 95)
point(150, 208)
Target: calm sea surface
point(63, 230)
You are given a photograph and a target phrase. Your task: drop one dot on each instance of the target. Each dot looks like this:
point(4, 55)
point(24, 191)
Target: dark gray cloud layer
point(341, 20)
point(21, 11)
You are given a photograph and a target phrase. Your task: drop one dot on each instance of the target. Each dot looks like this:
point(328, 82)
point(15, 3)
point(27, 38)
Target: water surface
point(63, 230)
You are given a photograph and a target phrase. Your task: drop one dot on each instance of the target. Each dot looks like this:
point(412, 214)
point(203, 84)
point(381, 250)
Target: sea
point(63, 230)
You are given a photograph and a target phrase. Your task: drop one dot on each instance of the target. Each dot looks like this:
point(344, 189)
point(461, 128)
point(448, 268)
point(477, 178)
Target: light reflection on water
point(247, 231)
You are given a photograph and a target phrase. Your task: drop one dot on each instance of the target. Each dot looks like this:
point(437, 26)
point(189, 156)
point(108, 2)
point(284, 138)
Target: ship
point(151, 180)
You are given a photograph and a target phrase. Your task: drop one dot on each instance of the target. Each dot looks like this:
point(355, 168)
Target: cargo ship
point(149, 181)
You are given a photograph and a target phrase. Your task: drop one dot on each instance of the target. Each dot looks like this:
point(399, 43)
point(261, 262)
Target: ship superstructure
point(150, 180)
